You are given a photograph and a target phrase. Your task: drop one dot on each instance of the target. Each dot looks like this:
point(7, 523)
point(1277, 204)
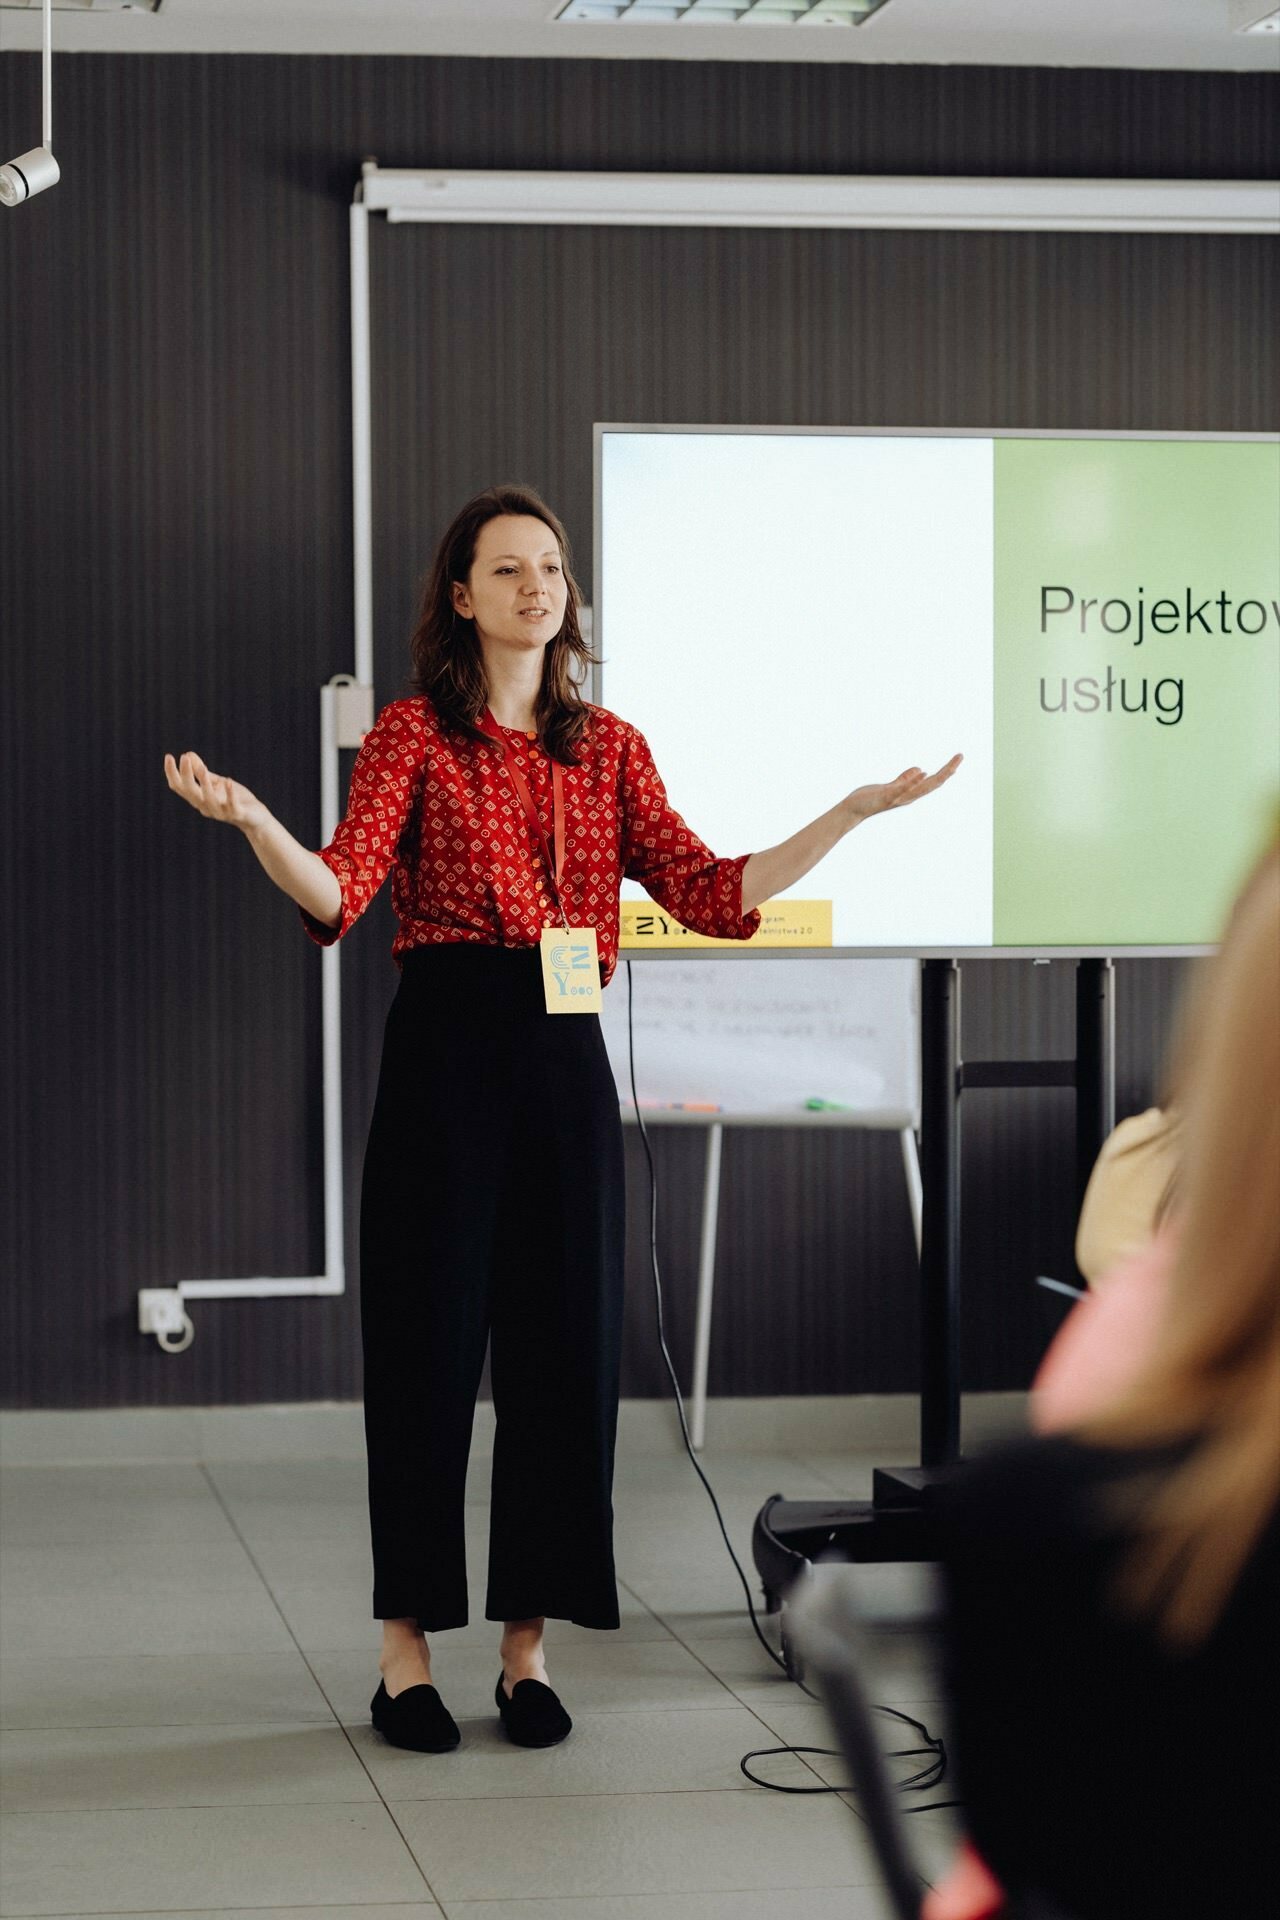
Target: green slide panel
point(1137, 686)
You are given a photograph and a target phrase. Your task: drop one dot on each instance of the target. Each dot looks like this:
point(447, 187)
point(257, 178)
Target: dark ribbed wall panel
point(175, 571)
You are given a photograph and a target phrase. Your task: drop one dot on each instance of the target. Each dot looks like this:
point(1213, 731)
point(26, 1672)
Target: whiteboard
point(760, 1038)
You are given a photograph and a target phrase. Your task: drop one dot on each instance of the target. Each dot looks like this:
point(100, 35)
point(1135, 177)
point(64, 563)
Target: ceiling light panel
point(717, 13)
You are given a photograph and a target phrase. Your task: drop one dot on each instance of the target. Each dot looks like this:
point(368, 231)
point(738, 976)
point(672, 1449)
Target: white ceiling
point(1193, 34)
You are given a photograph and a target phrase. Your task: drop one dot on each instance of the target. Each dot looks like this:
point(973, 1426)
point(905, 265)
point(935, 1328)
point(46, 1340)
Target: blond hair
point(1213, 1378)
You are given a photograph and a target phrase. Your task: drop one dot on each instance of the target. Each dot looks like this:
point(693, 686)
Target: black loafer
point(533, 1716)
point(417, 1718)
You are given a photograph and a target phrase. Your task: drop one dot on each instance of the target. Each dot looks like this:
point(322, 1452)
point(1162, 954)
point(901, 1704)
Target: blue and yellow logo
point(569, 958)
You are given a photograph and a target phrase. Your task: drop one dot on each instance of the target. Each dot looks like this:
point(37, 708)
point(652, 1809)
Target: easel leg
point(915, 1191)
point(706, 1282)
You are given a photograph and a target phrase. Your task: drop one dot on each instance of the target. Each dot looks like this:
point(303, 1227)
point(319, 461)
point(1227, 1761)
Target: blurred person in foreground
point(1114, 1582)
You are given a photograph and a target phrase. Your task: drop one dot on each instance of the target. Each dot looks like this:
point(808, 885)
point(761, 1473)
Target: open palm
point(216, 795)
point(909, 786)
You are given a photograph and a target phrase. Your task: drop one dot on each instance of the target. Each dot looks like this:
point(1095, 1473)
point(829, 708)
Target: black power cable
point(935, 1768)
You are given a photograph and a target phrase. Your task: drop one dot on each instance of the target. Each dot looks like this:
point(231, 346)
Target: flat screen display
point(1093, 621)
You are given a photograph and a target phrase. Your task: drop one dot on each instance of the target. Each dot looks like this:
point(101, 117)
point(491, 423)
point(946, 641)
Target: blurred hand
point(216, 795)
point(909, 786)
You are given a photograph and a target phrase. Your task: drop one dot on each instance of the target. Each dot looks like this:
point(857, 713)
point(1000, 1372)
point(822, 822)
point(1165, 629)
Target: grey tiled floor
point(187, 1657)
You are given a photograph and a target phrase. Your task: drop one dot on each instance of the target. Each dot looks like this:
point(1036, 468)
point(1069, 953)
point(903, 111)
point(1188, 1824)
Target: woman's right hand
point(216, 795)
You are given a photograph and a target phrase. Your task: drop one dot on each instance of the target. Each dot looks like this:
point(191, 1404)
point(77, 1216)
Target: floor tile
point(131, 1619)
point(795, 1903)
point(932, 1831)
point(397, 1910)
point(801, 1726)
point(50, 1769)
point(271, 1500)
point(606, 1753)
point(244, 1483)
point(220, 1687)
point(849, 1473)
point(901, 1669)
point(736, 1657)
point(160, 1689)
point(735, 1472)
point(634, 1843)
point(80, 1506)
point(97, 1568)
point(639, 1676)
point(263, 1520)
point(333, 1618)
point(935, 1837)
point(175, 1859)
point(691, 1599)
point(808, 1725)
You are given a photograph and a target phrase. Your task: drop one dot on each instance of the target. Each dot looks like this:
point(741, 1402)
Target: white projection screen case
point(1093, 620)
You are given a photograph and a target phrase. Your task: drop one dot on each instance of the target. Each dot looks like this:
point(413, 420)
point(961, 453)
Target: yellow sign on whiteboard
point(783, 923)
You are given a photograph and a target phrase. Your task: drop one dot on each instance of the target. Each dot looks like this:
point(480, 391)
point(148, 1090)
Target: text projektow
point(1063, 612)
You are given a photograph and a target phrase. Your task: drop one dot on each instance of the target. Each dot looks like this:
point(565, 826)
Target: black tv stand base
point(897, 1523)
point(789, 1536)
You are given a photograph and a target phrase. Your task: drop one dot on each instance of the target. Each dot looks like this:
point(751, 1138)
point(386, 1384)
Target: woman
point(1114, 1585)
point(1130, 1191)
point(505, 806)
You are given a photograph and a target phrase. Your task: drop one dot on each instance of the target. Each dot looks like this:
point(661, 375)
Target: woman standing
point(506, 808)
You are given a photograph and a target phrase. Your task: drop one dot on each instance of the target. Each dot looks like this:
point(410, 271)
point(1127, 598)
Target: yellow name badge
point(570, 969)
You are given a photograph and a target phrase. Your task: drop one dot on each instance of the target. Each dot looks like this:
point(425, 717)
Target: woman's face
point(516, 591)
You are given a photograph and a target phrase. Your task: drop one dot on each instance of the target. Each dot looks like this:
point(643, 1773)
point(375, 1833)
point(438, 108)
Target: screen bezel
point(743, 951)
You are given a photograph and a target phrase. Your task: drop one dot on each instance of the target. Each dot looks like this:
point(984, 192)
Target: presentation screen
point(1093, 621)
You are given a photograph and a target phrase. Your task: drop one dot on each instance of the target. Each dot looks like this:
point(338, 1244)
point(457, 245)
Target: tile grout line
point(469, 1900)
point(403, 1800)
point(360, 1761)
point(139, 1913)
point(826, 1785)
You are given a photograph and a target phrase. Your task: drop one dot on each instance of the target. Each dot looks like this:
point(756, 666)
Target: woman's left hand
point(909, 786)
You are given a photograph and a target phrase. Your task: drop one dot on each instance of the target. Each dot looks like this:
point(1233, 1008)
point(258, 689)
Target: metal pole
point(1095, 1063)
point(940, 1239)
point(362, 439)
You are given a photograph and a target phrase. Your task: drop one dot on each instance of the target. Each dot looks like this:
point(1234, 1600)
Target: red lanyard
point(489, 725)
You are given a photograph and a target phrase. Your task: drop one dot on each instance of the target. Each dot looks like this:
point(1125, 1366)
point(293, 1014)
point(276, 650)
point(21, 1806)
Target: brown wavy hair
point(1213, 1379)
point(448, 665)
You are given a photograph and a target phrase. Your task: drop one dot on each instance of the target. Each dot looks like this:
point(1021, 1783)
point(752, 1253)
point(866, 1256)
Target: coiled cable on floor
point(935, 1767)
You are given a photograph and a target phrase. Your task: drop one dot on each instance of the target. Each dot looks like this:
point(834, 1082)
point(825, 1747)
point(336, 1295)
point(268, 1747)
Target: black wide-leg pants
point(492, 1207)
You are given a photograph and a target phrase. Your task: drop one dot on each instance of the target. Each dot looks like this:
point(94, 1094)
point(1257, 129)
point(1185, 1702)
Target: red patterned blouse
point(439, 810)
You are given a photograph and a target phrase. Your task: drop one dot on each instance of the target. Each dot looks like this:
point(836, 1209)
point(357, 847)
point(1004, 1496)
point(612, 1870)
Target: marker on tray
point(816, 1105)
point(681, 1106)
